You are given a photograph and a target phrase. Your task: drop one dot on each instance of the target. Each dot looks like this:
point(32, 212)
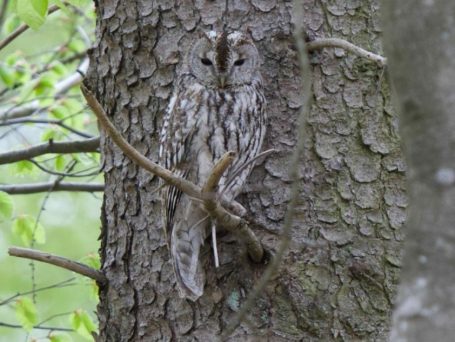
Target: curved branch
point(78, 174)
point(344, 44)
point(58, 261)
point(77, 146)
point(228, 220)
point(25, 189)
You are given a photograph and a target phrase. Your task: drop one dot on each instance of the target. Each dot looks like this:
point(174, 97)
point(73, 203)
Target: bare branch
point(343, 44)
point(5, 42)
point(46, 121)
point(25, 189)
point(232, 222)
point(78, 146)
point(73, 79)
point(293, 171)
point(182, 184)
point(23, 110)
point(58, 261)
point(78, 174)
point(215, 176)
point(64, 283)
point(42, 327)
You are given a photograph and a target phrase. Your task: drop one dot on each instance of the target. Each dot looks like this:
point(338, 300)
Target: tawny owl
point(218, 105)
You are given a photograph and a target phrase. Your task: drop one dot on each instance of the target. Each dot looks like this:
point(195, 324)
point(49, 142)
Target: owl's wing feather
point(183, 218)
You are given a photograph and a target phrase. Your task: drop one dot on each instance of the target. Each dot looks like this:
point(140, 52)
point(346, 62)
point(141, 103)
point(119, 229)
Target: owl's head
point(224, 60)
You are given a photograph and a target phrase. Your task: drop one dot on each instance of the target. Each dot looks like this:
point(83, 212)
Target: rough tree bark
point(338, 278)
point(420, 41)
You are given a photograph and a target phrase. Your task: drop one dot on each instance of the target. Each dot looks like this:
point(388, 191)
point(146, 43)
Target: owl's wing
point(176, 137)
point(184, 220)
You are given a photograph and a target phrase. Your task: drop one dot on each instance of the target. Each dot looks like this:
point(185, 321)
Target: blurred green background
point(71, 220)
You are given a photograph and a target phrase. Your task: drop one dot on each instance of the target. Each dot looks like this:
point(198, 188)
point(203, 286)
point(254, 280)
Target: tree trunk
point(420, 40)
point(338, 277)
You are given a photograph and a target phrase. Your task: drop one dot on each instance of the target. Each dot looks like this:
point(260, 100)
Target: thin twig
point(77, 146)
point(64, 283)
point(28, 108)
point(48, 122)
point(42, 327)
point(293, 173)
point(21, 29)
point(321, 43)
point(78, 174)
point(26, 189)
point(69, 168)
point(58, 261)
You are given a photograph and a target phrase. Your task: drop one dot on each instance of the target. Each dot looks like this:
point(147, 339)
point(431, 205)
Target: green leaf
point(94, 290)
point(26, 228)
point(60, 162)
point(92, 260)
point(62, 6)
point(12, 21)
point(83, 324)
point(23, 167)
point(58, 68)
point(7, 76)
point(27, 90)
point(45, 83)
point(59, 337)
point(76, 45)
point(26, 313)
point(32, 12)
point(49, 134)
point(78, 3)
point(59, 111)
point(6, 206)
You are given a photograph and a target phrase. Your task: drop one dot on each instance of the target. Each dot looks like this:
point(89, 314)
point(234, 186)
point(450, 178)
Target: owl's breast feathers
point(201, 125)
point(221, 120)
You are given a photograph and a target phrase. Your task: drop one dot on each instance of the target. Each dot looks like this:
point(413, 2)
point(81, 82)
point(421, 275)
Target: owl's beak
point(222, 81)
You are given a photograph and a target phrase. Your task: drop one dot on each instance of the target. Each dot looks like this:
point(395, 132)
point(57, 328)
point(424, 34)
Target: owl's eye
point(206, 61)
point(239, 62)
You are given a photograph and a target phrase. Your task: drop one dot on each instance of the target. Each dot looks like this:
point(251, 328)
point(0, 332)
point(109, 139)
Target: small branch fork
point(224, 212)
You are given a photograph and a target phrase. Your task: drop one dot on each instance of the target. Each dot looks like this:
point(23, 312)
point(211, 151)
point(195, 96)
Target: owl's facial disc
point(224, 60)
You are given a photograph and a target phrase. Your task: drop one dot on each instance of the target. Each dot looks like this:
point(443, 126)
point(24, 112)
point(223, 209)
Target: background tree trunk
point(420, 41)
point(338, 279)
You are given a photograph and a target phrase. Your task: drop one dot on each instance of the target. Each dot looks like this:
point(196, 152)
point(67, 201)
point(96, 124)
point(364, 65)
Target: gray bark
point(338, 277)
point(420, 41)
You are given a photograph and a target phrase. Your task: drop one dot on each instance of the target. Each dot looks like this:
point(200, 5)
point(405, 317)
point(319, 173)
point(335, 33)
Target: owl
point(218, 105)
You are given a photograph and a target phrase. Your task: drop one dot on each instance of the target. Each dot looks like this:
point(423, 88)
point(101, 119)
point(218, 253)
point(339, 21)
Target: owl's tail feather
point(187, 239)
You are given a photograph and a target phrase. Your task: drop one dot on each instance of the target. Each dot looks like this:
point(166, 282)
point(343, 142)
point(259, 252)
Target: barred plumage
point(218, 106)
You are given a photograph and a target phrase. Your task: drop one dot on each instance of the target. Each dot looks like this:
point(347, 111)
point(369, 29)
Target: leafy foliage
point(35, 88)
point(83, 324)
point(29, 230)
point(32, 12)
point(6, 206)
point(26, 313)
